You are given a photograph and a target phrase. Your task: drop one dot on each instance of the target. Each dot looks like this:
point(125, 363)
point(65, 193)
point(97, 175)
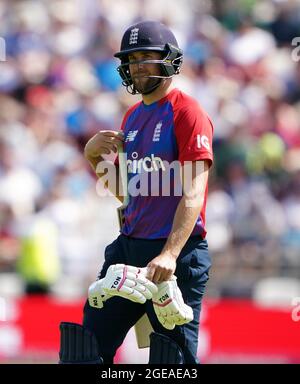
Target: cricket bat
point(124, 182)
point(143, 327)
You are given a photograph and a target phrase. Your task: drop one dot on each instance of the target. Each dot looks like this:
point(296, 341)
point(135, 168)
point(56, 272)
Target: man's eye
point(140, 59)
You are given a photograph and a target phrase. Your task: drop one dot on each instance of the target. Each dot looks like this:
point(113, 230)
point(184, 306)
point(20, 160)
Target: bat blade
point(124, 182)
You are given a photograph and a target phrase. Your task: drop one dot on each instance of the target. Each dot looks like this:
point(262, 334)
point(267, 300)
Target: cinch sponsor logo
point(148, 164)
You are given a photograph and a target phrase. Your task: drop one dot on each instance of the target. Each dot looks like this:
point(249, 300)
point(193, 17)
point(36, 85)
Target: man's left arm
point(194, 180)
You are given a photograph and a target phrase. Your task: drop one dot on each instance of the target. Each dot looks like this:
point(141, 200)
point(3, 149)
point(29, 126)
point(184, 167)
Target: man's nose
point(140, 67)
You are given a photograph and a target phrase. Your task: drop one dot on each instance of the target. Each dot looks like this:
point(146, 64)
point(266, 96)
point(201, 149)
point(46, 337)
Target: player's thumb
point(150, 272)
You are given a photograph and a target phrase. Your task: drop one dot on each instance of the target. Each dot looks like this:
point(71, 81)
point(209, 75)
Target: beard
point(145, 85)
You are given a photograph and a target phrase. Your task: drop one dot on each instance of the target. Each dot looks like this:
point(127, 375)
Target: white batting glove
point(169, 306)
point(121, 280)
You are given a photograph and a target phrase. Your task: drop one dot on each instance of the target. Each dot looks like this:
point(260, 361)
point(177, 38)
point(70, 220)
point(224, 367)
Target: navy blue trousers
point(112, 323)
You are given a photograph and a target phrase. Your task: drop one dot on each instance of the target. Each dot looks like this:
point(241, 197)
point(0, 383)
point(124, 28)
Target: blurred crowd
point(59, 86)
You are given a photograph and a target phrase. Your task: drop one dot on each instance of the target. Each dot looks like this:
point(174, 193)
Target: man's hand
point(121, 280)
point(169, 306)
point(161, 268)
point(102, 143)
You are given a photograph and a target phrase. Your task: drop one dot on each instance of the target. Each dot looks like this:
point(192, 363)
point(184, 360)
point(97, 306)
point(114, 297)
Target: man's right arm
point(103, 143)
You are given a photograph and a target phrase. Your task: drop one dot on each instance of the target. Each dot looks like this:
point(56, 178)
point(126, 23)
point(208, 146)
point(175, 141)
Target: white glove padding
point(121, 280)
point(169, 306)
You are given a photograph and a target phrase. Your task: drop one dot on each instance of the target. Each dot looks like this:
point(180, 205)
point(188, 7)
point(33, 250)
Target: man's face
point(139, 72)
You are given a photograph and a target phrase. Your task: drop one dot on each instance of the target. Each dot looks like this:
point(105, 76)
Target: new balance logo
point(131, 136)
point(157, 131)
point(133, 38)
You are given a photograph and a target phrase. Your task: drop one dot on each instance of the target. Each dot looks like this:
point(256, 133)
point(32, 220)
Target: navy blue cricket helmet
point(149, 36)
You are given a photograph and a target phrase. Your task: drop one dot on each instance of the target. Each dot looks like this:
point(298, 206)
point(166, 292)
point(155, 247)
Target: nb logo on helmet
point(134, 34)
